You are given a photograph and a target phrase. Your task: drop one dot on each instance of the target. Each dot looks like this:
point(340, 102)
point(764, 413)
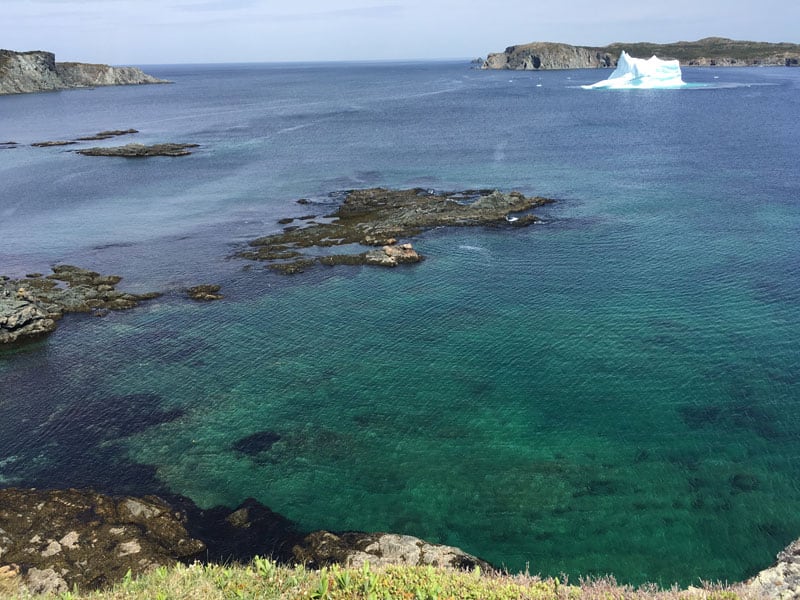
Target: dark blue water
point(613, 391)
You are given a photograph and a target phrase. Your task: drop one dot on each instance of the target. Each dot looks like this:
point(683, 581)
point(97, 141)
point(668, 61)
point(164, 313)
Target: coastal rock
point(105, 135)
point(379, 217)
point(50, 144)
point(782, 580)
point(391, 256)
point(64, 538)
point(31, 306)
point(205, 292)
point(140, 150)
point(37, 71)
point(712, 51)
point(548, 55)
point(355, 548)
point(21, 318)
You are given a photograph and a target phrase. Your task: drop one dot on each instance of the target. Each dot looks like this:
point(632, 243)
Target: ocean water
point(616, 390)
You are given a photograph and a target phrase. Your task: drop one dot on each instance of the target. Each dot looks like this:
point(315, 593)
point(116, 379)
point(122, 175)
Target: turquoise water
point(612, 391)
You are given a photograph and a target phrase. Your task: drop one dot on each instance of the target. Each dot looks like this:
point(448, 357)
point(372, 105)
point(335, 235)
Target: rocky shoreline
point(38, 71)
point(31, 306)
point(713, 51)
point(53, 540)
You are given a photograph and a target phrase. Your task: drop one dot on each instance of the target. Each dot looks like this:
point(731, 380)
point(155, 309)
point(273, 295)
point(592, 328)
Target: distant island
point(37, 71)
point(711, 51)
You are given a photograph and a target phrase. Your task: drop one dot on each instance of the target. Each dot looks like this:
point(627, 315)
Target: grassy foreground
point(263, 579)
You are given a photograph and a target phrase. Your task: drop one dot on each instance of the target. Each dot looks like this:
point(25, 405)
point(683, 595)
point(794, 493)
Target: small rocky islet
point(131, 150)
point(380, 218)
point(135, 150)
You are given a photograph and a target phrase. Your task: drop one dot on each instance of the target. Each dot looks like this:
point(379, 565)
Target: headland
point(707, 52)
point(38, 71)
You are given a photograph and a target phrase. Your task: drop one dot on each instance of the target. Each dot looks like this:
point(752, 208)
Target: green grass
point(263, 579)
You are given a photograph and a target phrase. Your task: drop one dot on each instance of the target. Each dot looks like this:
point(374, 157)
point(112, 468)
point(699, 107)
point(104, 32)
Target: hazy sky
point(173, 31)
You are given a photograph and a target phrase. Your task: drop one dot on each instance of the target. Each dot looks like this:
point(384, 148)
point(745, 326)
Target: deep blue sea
point(615, 390)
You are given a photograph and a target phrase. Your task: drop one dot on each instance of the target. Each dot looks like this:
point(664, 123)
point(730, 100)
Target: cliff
point(713, 51)
point(26, 72)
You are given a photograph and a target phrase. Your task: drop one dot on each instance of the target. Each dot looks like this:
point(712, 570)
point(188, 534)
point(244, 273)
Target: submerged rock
point(31, 306)
point(380, 217)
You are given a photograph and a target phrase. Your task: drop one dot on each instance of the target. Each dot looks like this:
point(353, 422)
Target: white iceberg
point(638, 73)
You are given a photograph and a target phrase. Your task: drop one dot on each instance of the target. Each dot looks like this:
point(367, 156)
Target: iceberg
point(638, 73)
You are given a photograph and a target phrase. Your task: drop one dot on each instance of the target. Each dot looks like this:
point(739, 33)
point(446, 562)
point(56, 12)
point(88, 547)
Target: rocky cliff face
point(26, 72)
point(782, 580)
point(706, 52)
point(548, 55)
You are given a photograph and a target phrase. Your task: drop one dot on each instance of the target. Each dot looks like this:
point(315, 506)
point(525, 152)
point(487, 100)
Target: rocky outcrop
point(140, 150)
point(31, 306)
point(549, 55)
point(380, 217)
point(353, 549)
point(391, 256)
point(782, 580)
point(27, 72)
point(205, 292)
point(55, 540)
point(713, 51)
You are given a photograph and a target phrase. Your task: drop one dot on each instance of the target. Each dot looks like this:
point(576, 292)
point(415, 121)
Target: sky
point(141, 32)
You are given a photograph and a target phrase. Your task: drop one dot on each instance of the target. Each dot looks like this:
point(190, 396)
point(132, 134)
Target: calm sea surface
point(616, 390)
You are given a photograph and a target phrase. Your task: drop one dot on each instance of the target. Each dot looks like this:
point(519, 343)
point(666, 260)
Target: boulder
point(353, 549)
point(20, 318)
point(391, 256)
